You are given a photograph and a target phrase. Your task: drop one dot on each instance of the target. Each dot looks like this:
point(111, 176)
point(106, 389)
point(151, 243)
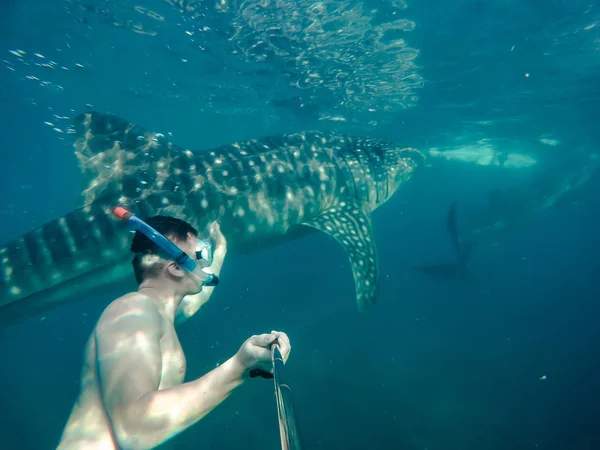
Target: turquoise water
point(504, 360)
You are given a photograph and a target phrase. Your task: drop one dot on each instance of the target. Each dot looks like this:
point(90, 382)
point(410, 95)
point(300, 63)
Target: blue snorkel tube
point(165, 244)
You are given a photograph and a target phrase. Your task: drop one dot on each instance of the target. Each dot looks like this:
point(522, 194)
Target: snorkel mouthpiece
point(166, 245)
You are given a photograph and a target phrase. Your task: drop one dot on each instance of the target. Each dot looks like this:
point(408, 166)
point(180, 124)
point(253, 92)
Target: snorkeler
point(132, 391)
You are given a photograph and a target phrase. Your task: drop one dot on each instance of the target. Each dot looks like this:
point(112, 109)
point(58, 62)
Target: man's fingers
point(262, 340)
point(215, 230)
point(217, 235)
point(284, 344)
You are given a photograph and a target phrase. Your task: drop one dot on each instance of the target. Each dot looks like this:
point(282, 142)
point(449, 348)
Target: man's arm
point(129, 367)
point(192, 303)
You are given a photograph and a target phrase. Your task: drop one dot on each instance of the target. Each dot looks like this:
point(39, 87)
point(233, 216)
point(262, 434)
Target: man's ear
point(174, 269)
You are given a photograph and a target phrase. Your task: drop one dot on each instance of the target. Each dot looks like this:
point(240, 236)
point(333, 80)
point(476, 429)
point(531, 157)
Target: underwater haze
point(503, 99)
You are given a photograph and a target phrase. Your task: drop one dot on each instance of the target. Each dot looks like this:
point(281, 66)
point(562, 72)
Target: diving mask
point(203, 251)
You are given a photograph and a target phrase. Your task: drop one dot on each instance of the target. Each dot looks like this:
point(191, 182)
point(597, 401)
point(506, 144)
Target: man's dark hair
point(175, 229)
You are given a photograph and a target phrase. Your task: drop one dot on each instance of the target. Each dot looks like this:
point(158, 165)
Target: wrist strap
point(260, 373)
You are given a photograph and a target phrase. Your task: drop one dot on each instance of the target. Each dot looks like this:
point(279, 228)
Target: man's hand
point(254, 354)
point(192, 303)
point(220, 246)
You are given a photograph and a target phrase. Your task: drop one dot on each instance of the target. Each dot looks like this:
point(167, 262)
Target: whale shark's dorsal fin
point(463, 249)
point(351, 226)
point(100, 141)
point(121, 159)
point(452, 227)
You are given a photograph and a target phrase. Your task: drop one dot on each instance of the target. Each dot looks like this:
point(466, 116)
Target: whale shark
point(559, 183)
point(261, 191)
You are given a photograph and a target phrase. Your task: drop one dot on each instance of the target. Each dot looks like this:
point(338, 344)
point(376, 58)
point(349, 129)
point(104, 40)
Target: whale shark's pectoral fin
point(351, 227)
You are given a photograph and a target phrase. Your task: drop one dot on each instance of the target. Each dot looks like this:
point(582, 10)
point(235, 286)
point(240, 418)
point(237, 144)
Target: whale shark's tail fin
point(452, 270)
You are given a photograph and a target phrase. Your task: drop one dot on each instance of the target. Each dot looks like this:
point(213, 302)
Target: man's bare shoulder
point(131, 307)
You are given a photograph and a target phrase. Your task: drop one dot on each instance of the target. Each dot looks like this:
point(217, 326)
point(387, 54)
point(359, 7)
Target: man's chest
point(173, 361)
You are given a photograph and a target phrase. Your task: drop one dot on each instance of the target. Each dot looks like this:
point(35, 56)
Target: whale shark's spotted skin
point(261, 192)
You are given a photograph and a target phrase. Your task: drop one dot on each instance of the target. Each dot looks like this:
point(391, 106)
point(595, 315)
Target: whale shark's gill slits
point(366, 151)
point(383, 188)
point(376, 155)
point(384, 180)
point(310, 172)
point(371, 157)
point(347, 166)
point(297, 199)
point(356, 177)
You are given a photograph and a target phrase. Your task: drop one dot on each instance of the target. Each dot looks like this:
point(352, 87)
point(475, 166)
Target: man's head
point(148, 263)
